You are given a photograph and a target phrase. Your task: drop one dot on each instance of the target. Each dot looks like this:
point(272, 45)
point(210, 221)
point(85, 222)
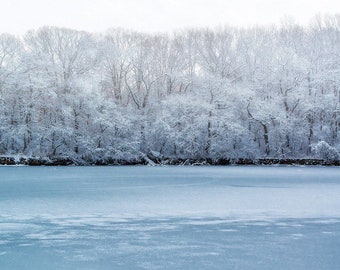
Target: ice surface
point(169, 217)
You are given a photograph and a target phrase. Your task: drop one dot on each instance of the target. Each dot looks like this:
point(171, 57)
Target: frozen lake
point(169, 218)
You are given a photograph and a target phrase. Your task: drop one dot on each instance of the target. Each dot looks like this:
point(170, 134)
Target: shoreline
point(155, 161)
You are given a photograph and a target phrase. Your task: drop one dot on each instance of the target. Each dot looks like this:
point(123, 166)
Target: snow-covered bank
point(152, 160)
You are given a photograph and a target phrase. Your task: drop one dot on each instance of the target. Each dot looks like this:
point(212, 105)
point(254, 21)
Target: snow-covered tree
point(225, 93)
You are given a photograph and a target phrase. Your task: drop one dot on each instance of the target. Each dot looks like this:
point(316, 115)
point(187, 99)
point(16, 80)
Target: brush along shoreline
point(153, 160)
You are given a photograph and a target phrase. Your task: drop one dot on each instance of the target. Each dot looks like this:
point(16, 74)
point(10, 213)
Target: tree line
point(224, 93)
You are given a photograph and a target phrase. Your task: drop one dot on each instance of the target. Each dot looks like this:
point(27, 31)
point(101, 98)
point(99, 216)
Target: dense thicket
point(223, 93)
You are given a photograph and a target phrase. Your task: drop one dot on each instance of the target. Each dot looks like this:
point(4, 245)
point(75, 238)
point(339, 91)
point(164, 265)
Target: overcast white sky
point(18, 16)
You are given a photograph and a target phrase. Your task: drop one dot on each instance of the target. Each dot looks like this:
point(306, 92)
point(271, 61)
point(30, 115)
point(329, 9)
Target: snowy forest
point(223, 93)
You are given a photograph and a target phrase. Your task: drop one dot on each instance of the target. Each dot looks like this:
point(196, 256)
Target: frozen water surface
point(169, 218)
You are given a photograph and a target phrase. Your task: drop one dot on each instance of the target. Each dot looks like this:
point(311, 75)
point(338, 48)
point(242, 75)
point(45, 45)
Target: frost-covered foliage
point(325, 151)
point(224, 93)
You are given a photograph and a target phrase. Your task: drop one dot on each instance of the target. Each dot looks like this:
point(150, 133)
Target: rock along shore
point(152, 160)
